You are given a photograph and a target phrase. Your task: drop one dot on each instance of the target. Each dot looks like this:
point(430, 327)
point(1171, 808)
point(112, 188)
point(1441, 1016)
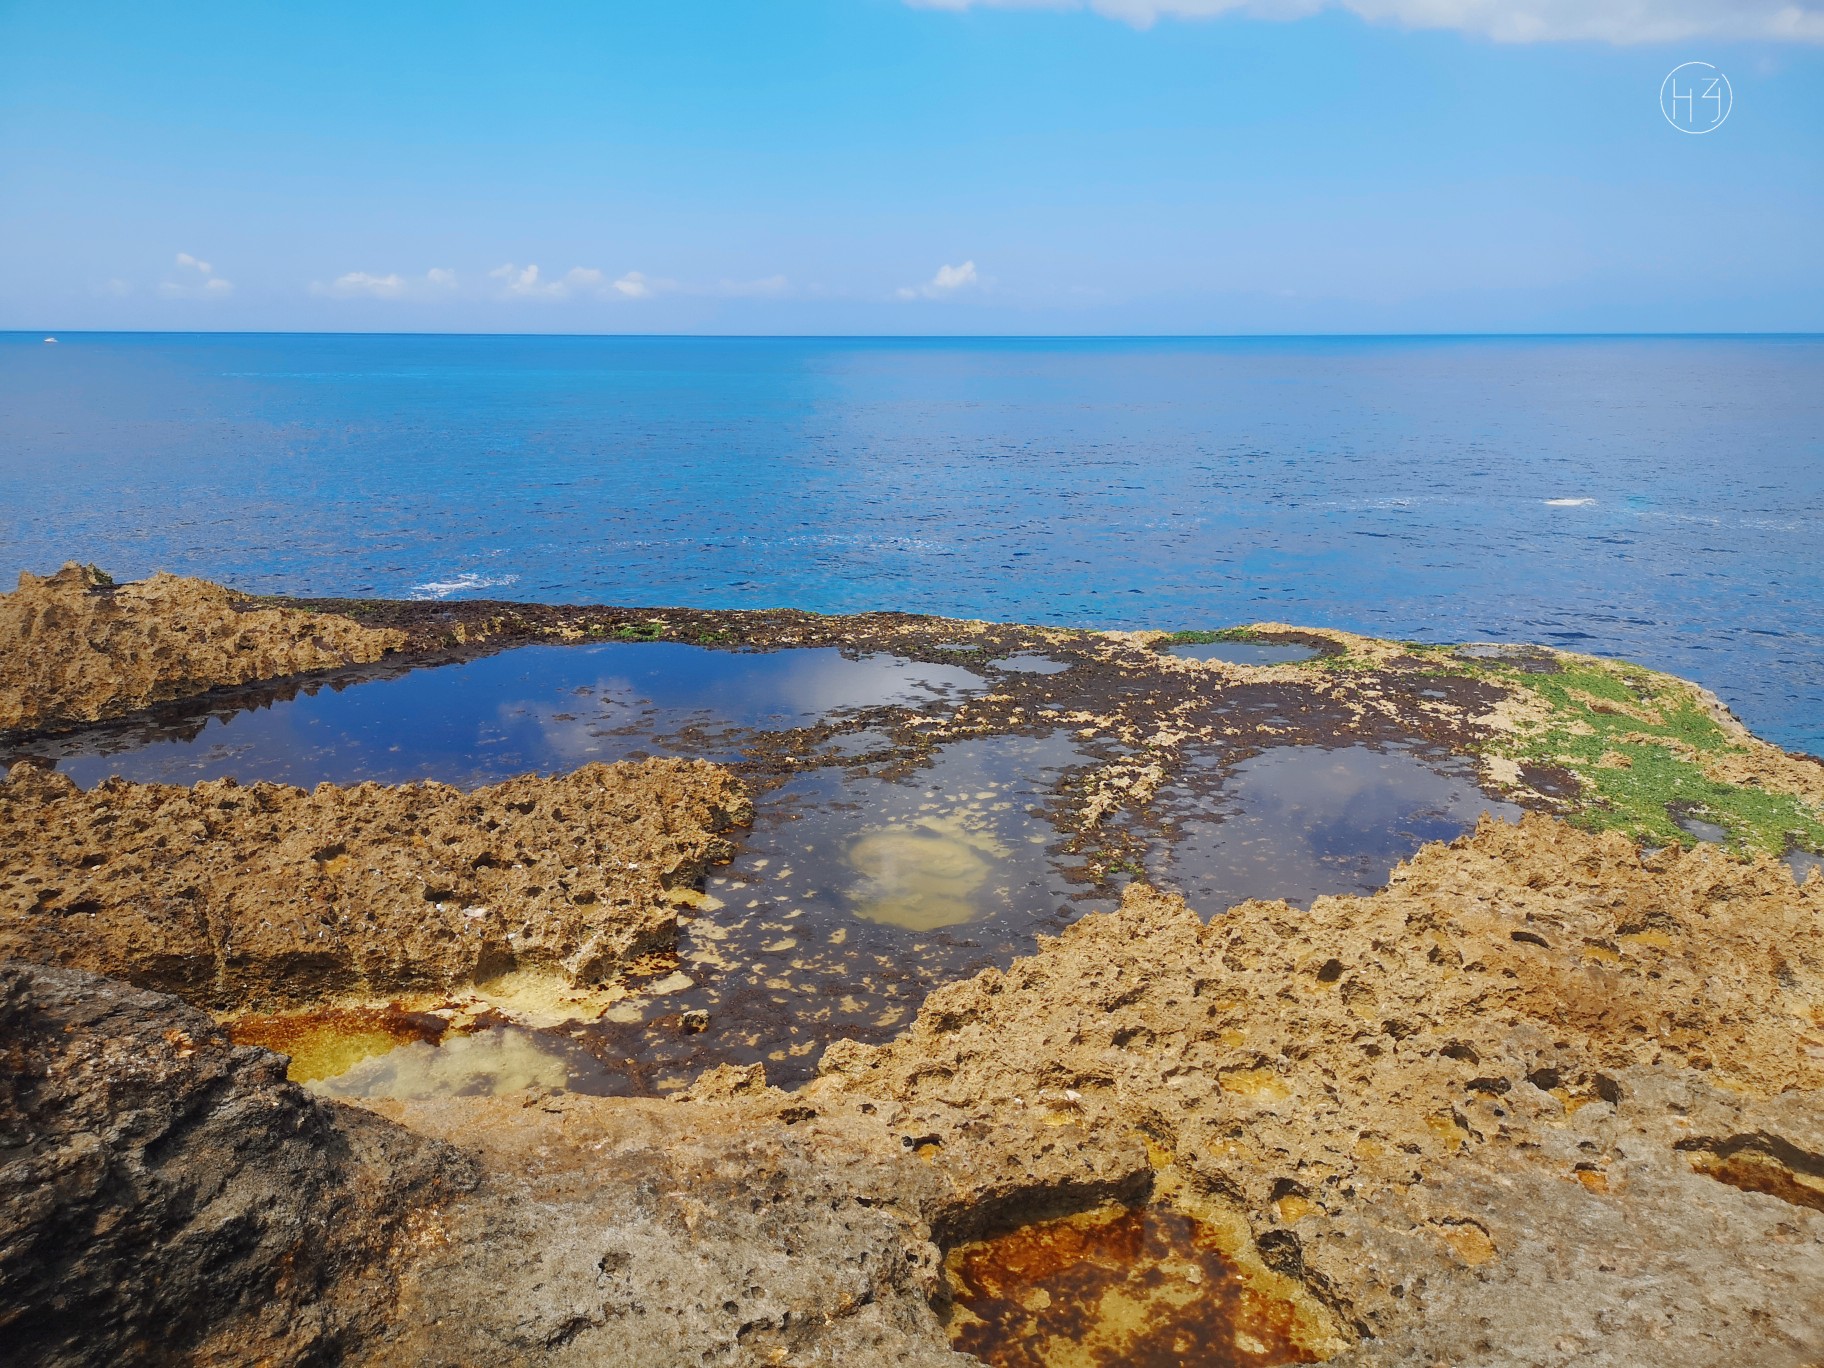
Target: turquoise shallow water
point(1654, 498)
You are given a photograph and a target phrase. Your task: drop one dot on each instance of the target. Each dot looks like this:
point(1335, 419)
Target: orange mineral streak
point(327, 1043)
point(1141, 1287)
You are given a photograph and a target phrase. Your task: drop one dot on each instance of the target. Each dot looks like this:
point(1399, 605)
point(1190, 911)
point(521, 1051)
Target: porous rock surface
point(74, 647)
point(636, 1233)
point(166, 1197)
point(267, 895)
point(1538, 1102)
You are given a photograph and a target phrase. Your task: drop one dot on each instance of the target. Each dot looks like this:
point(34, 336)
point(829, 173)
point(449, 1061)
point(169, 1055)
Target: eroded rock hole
point(1136, 1286)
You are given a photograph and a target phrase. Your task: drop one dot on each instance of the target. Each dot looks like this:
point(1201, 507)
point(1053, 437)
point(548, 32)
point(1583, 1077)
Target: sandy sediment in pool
point(266, 896)
point(75, 647)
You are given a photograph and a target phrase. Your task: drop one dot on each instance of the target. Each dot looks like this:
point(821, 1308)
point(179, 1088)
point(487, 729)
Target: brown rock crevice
point(75, 647)
point(265, 896)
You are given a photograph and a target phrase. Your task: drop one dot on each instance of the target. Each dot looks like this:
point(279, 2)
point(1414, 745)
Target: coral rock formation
point(266, 895)
point(1531, 1048)
point(76, 648)
point(1540, 1101)
point(1545, 1099)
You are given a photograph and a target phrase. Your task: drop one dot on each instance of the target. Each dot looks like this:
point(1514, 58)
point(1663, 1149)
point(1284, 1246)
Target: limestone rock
point(637, 1233)
point(265, 896)
point(76, 648)
point(1538, 1090)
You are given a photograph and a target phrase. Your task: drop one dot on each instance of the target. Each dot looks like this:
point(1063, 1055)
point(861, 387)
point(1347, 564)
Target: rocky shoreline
point(1554, 1095)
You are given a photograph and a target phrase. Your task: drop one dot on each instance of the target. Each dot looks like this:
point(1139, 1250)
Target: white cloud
point(367, 285)
point(195, 279)
point(947, 281)
point(525, 282)
point(1504, 21)
point(514, 281)
point(374, 286)
point(639, 285)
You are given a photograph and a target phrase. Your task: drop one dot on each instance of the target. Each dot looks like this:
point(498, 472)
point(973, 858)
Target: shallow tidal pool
point(1298, 822)
point(538, 709)
point(879, 864)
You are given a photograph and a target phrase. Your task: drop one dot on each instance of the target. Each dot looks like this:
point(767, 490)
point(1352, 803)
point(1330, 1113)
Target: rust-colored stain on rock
point(1141, 1287)
point(327, 1043)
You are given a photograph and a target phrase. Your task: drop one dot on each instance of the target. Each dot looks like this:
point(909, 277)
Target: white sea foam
point(460, 584)
point(1568, 503)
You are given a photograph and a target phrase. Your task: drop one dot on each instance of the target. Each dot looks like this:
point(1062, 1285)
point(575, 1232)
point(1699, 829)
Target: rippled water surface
point(1653, 498)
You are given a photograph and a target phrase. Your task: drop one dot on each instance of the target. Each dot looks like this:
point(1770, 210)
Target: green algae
point(1637, 739)
point(639, 631)
point(1203, 638)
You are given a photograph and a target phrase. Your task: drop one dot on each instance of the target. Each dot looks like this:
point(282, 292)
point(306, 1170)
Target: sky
point(911, 166)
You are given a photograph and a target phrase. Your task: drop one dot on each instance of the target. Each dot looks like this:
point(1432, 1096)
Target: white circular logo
point(1695, 97)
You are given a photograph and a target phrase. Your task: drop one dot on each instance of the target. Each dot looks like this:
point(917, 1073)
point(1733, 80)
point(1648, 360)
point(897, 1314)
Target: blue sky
point(877, 166)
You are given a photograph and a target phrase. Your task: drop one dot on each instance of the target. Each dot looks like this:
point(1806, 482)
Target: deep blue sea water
point(1656, 498)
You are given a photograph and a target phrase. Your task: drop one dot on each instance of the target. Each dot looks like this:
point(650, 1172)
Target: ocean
point(1655, 498)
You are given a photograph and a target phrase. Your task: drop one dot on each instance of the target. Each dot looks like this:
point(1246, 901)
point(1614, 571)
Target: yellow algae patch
point(920, 877)
point(1129, 1286)
point(384, 1052)
point(1467, 1240)
point(488, 1063)
point(329, 1040)
point(1291, 1209)
point(325, 1043)
point(1265, 1084)
point(537, 997)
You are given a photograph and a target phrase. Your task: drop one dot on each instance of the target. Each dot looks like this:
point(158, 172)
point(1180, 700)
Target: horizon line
point(52, 333)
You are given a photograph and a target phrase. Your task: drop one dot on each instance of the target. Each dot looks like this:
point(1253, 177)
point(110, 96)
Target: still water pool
point(878, 865)
point(536, 709)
